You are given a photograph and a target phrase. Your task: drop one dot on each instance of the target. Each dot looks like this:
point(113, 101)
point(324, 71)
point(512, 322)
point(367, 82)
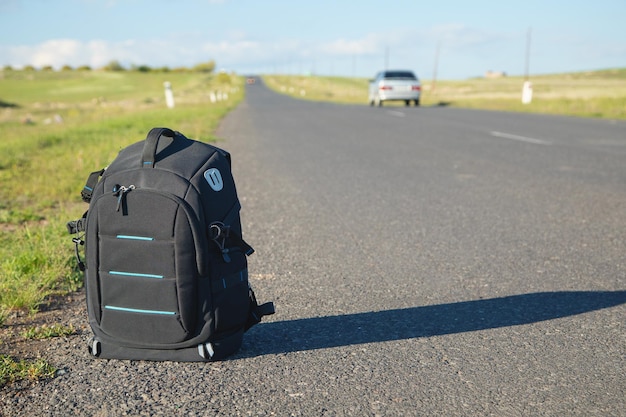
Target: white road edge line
point(520, 138)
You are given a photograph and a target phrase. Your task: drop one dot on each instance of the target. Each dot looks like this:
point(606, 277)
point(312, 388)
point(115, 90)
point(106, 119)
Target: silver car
point(395, 85)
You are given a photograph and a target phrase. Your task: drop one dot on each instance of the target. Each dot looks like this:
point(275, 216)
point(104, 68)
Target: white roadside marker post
point(169, 95)
point(527, 92)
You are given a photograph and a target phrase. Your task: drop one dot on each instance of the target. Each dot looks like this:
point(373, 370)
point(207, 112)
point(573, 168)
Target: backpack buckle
point(218, 233)
point(218, 230)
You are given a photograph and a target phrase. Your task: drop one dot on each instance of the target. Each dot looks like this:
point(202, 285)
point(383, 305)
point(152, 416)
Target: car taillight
point(416, 88)
point(385, 87)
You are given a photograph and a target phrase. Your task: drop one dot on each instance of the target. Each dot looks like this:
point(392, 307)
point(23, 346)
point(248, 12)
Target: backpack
point(165, 265)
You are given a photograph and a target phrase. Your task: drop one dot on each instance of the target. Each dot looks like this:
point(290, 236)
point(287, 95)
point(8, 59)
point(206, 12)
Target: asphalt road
point(432, 261)
point(423, 262)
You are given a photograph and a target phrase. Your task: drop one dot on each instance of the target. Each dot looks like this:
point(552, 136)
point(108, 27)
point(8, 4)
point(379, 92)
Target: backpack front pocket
point(141, 306)
point(147, 271)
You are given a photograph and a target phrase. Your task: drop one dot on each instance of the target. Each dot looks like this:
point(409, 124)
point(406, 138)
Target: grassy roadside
point(600, 94)
point(56, 128)
point(12, 370)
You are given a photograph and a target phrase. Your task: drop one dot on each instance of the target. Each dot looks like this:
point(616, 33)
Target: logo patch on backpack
point(214, 178)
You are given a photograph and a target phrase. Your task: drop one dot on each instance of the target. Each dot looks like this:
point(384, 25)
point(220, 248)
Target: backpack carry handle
point(150, 146)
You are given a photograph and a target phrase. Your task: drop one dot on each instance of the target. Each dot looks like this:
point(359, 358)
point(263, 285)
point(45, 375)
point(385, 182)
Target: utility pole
point(527, 88)
point(527, 66)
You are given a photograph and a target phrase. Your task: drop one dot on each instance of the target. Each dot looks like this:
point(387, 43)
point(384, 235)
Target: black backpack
point(166, 271)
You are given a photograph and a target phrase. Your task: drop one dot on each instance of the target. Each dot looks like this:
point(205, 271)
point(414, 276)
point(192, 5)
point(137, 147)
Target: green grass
point(12, 370)
point(600, 94)
point(46, 332)
point(57, 128)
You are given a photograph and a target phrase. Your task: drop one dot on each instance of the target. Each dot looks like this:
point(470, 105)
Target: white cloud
point(465, 51)
point(237, 51)
point(363, 46)
point(240, 51)
point(54, 52)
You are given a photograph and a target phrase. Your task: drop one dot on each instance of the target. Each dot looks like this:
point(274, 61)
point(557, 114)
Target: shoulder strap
point(87, 191)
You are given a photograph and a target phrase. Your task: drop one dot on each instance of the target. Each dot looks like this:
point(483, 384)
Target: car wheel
point(378, 101)
point(417, 103)
point(407, 103)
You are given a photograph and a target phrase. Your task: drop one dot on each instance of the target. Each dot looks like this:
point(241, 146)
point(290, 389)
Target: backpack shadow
point(435, 320)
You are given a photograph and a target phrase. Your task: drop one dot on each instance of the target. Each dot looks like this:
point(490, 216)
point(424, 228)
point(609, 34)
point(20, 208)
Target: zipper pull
point(120, 191)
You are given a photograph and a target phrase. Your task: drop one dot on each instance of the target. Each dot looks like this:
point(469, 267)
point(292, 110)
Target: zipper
point(120, 192)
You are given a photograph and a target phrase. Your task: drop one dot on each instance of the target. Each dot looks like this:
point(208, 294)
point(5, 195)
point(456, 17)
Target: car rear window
point(399, 75)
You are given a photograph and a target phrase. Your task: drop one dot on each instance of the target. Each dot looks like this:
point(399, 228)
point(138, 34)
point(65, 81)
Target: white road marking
point(396, 113)
point(520, 138)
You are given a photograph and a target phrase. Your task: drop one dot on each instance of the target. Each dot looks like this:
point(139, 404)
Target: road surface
point(433, 261)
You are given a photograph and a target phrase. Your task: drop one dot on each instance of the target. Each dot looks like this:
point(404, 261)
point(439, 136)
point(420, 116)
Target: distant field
point(56, 128)
point(600, 94)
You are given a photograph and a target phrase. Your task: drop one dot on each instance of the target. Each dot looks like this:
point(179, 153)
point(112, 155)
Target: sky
point(446, 39)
